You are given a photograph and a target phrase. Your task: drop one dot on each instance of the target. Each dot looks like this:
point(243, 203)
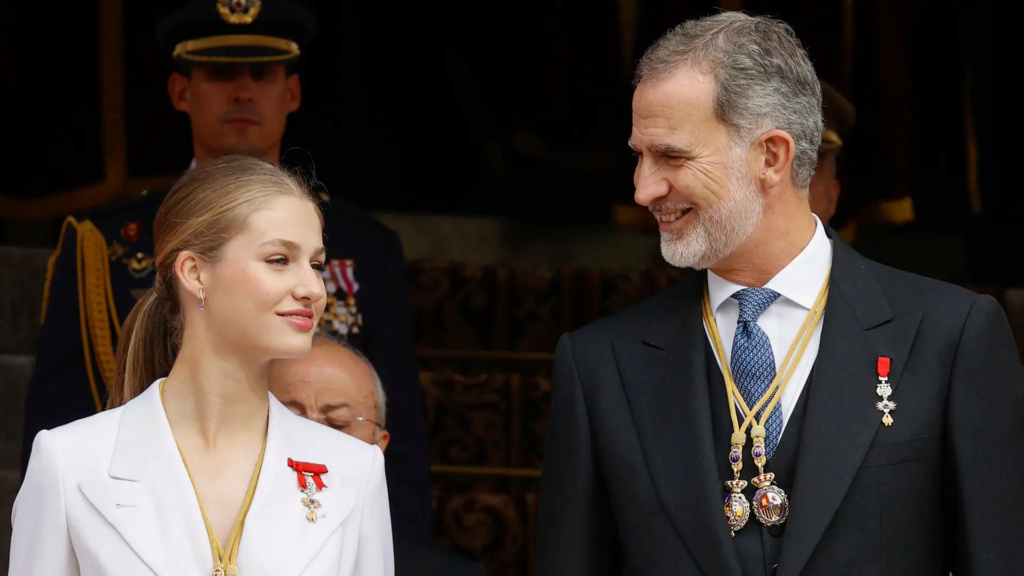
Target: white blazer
point(109, 495)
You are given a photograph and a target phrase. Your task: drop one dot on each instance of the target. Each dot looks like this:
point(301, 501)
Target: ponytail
point(149, 343)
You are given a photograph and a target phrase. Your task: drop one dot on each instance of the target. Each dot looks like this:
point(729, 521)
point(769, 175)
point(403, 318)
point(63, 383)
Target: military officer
point(237, 83)
point(839, 115)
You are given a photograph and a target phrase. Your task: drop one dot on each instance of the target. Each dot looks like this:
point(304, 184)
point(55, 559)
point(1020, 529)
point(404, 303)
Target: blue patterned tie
point(752, 363)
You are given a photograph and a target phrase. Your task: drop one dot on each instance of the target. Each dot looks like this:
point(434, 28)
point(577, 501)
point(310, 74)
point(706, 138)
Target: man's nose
point(650, 186)
point(243, 87)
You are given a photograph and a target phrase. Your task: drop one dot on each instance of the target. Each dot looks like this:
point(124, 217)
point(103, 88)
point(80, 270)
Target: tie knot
point(753, 302)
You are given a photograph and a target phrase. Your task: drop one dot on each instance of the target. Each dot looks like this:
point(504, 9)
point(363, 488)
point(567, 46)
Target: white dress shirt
point(798, 285)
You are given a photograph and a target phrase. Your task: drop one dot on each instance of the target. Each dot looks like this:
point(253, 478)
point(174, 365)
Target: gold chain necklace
point(225, 561)
point(771, 504)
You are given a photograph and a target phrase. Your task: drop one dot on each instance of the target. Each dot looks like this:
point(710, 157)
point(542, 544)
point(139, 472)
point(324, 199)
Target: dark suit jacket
point(422, 559)
point(61, 389)
point(631, 482)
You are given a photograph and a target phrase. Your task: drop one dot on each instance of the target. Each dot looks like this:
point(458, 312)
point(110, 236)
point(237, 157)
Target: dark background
point(521, 110)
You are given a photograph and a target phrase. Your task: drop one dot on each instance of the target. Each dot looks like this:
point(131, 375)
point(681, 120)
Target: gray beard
point(719, 230)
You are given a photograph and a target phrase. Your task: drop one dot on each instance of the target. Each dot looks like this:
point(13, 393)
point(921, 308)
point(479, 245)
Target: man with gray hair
point(790, 407)
point(337, 385)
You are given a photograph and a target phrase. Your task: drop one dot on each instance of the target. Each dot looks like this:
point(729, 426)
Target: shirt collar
point(192, 164)
point(800, 281)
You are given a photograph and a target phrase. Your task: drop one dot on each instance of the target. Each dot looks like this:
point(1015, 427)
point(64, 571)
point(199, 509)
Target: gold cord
point(785, 371)
point(224, 559)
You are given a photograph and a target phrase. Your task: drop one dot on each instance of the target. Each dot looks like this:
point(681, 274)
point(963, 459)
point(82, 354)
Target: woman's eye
point(278, 261)
point(317, 266)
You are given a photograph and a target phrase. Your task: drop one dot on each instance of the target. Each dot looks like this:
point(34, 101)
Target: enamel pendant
point(736, 507)
point(771, 505)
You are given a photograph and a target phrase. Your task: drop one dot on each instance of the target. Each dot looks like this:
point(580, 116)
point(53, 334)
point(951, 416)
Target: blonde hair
point(207, 207)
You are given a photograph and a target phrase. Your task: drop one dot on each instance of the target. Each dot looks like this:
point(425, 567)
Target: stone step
point(15, 372)
point(21, 297)
point(10, 481)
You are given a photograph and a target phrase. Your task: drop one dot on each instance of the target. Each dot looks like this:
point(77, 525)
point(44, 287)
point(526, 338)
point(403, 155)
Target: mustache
point(241, 111)
point(669, 207)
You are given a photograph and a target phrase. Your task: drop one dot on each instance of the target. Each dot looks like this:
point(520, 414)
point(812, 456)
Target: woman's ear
point(189, 271)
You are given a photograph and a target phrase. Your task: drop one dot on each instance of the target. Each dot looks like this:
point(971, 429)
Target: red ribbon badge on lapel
point(883, 367)
point(884, 389)
point(304, 468)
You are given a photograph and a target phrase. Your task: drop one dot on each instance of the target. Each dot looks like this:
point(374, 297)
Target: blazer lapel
point(841, 418)
point(277, 537)
point(665, 379)
point(148, 497)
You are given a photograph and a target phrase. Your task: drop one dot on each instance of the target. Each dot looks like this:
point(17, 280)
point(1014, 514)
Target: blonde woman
point(196, 468)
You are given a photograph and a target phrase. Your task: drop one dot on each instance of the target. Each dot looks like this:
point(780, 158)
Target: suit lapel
point(841, 419)
point(277, 538)
point(148, 497)
point(665, 379)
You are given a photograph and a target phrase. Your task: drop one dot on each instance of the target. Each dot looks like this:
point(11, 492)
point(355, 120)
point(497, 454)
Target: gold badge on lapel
point(309, 501)
point(884, 390)
point(310, 484)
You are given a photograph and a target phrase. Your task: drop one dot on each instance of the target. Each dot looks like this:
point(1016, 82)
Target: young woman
point(196, 468)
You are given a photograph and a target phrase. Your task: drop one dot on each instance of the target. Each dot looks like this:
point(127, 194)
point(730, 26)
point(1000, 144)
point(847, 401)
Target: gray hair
point(764, 79)
point(382, 397)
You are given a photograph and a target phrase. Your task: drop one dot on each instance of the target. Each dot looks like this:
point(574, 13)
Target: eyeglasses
point(374, 422)
point(342, 427)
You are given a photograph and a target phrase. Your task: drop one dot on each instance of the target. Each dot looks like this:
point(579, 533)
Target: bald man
point(336, 385)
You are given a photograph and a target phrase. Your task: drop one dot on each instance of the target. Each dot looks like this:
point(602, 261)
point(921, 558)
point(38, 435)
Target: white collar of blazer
point(149, 499)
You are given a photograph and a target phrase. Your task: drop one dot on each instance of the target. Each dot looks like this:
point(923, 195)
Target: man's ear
point(776, 149)
point(294, 92)
point(385, 437)
point(177, 90)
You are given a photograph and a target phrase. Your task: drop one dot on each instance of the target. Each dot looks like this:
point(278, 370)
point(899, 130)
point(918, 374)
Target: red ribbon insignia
point(883, 367)
point(302, 469)
point(884, 389)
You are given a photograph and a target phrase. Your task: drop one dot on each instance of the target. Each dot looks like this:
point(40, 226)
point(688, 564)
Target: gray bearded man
point(790, 407)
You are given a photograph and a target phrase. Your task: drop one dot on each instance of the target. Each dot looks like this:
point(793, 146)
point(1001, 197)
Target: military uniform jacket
point(104, 262)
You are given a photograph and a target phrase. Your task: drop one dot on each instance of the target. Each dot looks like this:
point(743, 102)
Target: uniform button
point(776, 530)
